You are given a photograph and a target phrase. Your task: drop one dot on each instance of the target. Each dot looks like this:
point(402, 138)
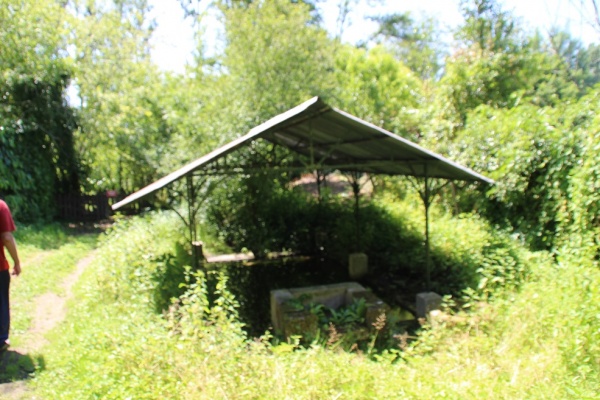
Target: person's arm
point(9, 242)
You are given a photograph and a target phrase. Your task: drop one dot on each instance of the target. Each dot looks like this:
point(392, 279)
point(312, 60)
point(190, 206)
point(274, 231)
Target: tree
point(580, 211)
point(590, 11)
point(373, 85)
point(496, 65)
point(122, 135)
point(417, 45)
point(191, 7)
point(37, 154)
point(275, 57)
point(581, 64)
point(488, 27)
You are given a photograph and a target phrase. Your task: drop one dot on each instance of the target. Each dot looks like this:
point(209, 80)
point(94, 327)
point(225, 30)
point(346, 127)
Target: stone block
point(355, 293)
point(374, 310)
point(278, 298)
point(289, 318)
point(300, 323)
point(426, 302)
point(358, 265)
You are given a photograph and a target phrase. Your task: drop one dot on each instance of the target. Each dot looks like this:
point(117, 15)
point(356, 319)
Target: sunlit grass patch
point(43, 271)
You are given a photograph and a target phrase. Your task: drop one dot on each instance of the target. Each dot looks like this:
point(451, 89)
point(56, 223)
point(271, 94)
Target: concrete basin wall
point(288, 320)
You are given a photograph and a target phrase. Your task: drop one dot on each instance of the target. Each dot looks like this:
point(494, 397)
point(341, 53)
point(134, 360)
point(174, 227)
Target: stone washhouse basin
point(288, 320)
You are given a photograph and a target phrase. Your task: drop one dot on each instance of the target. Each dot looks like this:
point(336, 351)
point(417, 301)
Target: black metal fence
point(83, 208)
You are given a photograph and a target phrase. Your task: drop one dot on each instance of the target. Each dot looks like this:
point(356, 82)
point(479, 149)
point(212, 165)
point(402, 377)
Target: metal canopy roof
point(332, 139)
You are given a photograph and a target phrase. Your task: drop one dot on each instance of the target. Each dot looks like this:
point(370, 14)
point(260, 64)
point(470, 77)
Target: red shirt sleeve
point(6, 221)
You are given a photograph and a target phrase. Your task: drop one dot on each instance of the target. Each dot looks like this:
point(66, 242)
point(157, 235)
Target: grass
point(536, 342)
point(49, 254)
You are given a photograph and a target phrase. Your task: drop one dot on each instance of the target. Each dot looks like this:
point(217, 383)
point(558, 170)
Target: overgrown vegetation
point(517, 261)
point(466, 252)
point(115, 344)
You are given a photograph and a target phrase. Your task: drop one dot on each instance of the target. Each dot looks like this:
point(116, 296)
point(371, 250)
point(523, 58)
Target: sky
point(173, 40)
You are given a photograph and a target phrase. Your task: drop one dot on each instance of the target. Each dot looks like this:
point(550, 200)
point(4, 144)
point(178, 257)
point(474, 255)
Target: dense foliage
point(37, 152)
point(128, 123)
point(517, 106)
point(37, 149)
point(116, 345)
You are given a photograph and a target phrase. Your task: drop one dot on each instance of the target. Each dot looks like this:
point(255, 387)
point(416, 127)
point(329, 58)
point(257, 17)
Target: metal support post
point(196, 246)
point(427, 202)
point(356, 192)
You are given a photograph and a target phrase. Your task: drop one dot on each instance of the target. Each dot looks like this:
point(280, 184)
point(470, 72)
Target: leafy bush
point(259, 213)
point(466, 253)
point(37, 154)
point(148, 258)
point(542, 159)
point(579, 214)
point(265, 216)
point(530, 152)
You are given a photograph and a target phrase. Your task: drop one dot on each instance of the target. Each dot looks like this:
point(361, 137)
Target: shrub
point(148, 256)
point(467, 254)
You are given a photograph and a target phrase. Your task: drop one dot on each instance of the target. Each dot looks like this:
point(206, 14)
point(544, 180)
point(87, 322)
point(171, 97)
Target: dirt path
point(50, 310)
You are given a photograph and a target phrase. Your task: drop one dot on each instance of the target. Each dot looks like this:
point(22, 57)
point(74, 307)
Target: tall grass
point(535, 342)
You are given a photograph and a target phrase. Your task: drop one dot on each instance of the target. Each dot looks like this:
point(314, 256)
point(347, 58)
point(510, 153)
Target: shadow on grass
point(15, 366)
point(54, 235)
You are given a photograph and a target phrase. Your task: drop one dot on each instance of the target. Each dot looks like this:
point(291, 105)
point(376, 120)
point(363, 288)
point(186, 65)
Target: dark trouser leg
point(4, 305)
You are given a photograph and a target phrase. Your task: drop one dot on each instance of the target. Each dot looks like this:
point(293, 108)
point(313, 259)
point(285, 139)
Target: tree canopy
point(84, 108)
